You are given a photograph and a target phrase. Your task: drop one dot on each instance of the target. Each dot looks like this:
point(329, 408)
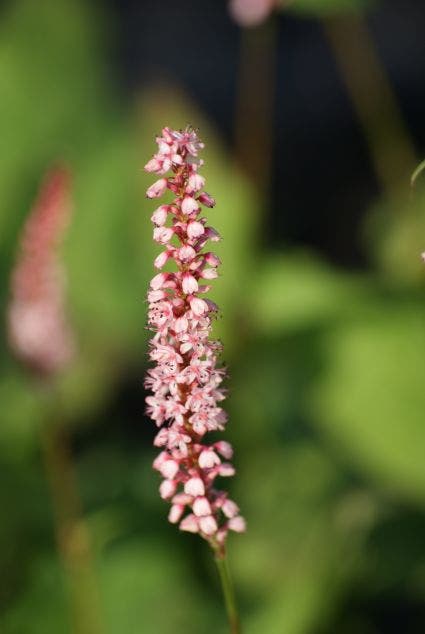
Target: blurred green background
point(327, 362)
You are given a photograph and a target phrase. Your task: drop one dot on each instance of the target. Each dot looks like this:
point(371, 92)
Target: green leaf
point(371, 398)
point(298, 291)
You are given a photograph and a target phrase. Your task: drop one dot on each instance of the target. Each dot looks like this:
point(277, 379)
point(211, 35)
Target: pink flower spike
point(194, 487)
point(38, 329)
point(186, 378)
point(157, 189)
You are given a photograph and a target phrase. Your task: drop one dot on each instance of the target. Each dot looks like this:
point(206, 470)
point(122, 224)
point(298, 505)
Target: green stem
point(228, 593)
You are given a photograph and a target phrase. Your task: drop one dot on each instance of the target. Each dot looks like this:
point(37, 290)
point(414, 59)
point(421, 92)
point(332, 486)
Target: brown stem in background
point(373, 99)
point(72, 534)
point(254, 103)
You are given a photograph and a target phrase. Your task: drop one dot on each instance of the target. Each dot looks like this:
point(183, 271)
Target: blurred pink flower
point(38, 330)
point(185, 380)
point(248, 13)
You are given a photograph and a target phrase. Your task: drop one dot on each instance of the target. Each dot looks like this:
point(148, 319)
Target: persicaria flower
point(186, 380)
point(38, 329)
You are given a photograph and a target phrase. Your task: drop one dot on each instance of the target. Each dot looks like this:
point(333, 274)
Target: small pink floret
point(208, 458)
point(208, 525)
point(195, 229)
point(230, 509)
point(189, 284)
point(189, 205)
point(195, 487)
point(167, 489)
point(159, 217)
point(237, 524)
point(190, 524)
point(157, 189)
point(176, 511)
point(198, 306)
point(201, 507)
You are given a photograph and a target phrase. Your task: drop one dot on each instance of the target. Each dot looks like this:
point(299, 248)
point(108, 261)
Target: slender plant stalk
point(228, 593)
point(71, 531)
point(373, 99)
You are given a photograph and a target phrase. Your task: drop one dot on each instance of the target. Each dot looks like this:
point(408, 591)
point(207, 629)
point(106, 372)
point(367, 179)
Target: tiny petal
point(167, 489)
point(181, 325)
point(153, 165)
point(237, 524)
point(157, 189)
point(230, 509)
point(190, 524)
point(195, 183)
point(195, 487)
point(208, 525)
point(189, 284)
point(186, 254)
point(201, 507)
point(212, 259)
point(226, 470)
point(224, 448)
point(208, 458)
point(189, 205)
point(156, 296)
point(161, 259)
point(198, 306)
point(158, 281)
point(209, 274)
point(169, 469)
point(163, 234)
point(176, 511)
point(206, 199)
point(195, 229)
point(159, 216)
point(161, 457)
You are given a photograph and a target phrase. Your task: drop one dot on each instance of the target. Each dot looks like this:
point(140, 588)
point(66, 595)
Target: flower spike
point(185, 380)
